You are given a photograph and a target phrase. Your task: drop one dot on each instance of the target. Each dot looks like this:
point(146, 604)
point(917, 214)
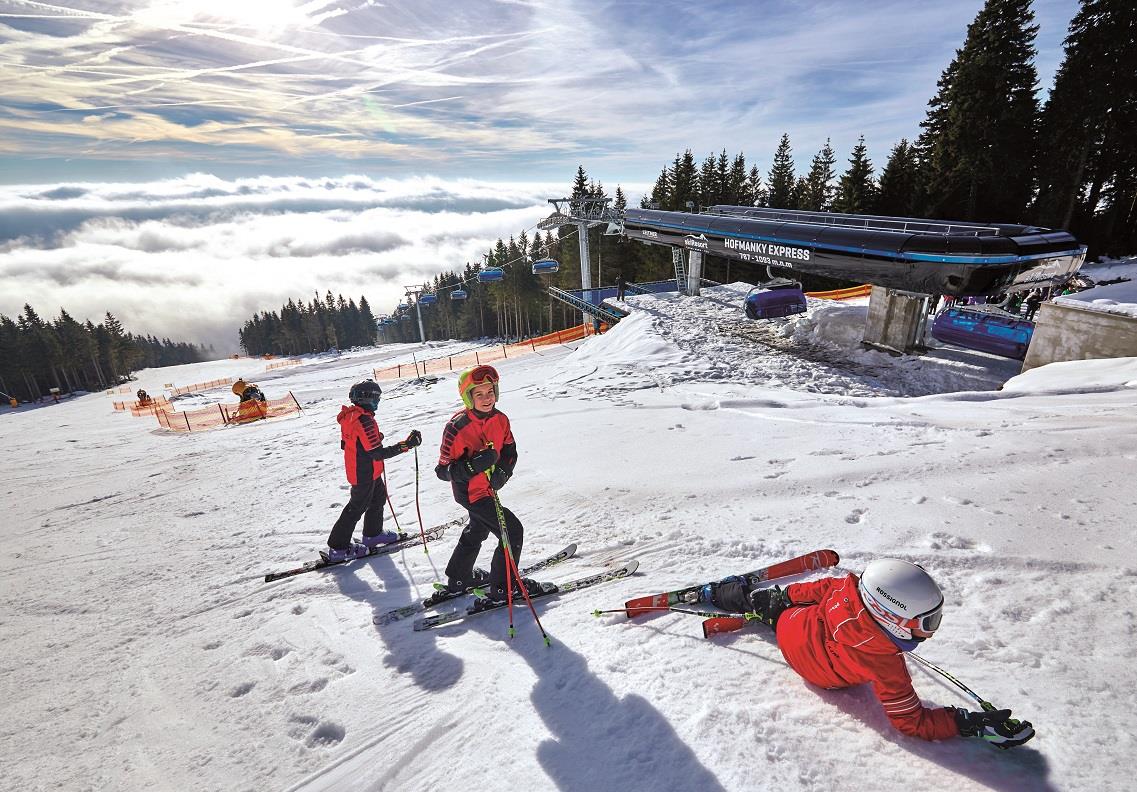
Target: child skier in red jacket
point(840, 632)
point(476, 440)
point(363, 456)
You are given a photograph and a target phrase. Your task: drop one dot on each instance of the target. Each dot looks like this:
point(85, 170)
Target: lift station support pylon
point(584, 212)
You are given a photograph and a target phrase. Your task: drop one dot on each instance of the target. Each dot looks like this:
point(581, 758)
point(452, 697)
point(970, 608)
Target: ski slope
point(143, 651)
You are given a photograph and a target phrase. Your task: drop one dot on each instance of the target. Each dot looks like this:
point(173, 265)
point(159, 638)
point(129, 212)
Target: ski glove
point(483, 460)
point(413, 439)
point(995, 726)
point(768, 604)
point(459, 471)
point(499, 477)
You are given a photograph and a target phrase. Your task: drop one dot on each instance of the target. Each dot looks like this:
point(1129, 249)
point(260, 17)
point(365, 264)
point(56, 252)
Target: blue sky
point(513, 90)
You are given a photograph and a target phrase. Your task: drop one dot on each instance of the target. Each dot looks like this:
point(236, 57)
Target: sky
point(128, 128)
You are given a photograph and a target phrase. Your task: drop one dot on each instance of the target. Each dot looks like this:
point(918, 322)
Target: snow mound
point(1077, 376)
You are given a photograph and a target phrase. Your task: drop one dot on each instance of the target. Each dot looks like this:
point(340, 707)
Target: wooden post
point(476, 360)
point(188, 427)
point(298, 407)
point(503, 352)
point(224, 419)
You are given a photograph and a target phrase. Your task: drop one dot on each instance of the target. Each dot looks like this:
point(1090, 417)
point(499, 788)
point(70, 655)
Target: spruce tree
point(978, 143)
point(780, 181)
point(818, 192)
point(899, 182)
point(856, 193)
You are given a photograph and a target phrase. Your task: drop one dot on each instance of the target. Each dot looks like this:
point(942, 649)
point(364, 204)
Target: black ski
point(421, 607)
point(547, 590)
point(405, 540)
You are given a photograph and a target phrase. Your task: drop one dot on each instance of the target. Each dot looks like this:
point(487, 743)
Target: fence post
point(295, 402)
point(504, 354)
point(224, 419)
point(188, 427)
point(476, 360)
point(451, 359)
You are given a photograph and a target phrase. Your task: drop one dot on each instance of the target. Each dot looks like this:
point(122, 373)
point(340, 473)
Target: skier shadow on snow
point(432, 668)
point(599, 740)
point(1023, 768)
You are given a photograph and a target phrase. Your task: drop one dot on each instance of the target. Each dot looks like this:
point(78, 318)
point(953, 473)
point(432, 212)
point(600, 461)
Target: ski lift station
point(907, 261)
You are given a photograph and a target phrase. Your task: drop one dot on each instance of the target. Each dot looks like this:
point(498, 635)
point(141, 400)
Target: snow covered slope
point(142, 650)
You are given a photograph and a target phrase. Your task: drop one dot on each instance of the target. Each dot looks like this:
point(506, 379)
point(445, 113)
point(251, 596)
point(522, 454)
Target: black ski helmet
point(365, 394)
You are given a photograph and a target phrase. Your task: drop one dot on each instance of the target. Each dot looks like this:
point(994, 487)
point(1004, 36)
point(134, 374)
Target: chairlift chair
point(775, 298)
point(546, 266)
point(491, 275)
point(427, 299)
point(458, 294)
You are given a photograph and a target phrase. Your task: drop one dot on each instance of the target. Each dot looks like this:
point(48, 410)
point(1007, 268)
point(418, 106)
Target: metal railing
point(900, 225)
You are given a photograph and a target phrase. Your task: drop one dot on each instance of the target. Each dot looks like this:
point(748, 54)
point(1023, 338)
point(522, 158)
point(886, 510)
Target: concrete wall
point(896, 320)
point(1065, 332)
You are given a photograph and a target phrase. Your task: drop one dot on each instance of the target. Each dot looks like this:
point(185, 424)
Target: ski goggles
point(928, 621)
point(480, 375)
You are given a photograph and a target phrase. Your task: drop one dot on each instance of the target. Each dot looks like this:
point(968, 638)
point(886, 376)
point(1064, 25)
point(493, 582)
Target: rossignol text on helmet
point(471, 378)
point(901, 597)
point(365, 394)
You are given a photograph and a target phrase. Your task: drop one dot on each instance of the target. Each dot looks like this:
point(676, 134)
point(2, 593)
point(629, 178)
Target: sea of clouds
point(193, 258)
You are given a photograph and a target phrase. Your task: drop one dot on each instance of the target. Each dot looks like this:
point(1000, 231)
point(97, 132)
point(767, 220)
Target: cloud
point(492, 89)
point(194, 258)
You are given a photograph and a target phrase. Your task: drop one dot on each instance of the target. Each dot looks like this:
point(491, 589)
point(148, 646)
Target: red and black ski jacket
point(467, 433)
point(362, 444)
point(833, 642)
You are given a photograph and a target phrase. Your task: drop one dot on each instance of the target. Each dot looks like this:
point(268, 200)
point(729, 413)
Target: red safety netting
point(486, 354)
point(283, 363)
point(226, 414)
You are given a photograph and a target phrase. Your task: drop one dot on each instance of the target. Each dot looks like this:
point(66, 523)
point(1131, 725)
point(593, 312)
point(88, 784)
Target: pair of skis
point(404, 541)
point(717, 622)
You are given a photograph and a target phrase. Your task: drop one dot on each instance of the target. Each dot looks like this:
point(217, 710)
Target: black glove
point(995, 726)
point(413, 439)
point(499, 477)
point(483, 460)
point(768, 604)
point(459, 471)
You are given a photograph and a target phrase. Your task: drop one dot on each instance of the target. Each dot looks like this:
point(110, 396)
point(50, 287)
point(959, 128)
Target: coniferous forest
point(987, 151)
point(318, 326)
point(37, 355)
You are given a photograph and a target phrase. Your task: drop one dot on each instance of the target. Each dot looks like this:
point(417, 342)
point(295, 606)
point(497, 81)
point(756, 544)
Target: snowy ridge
point(142, 643)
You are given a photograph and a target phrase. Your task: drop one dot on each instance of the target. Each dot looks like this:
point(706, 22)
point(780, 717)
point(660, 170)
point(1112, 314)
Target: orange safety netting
point(225, 414)
point(487, 354)
point(200, 386)
point(283, 363)
point(149, 407)
point(842, 294)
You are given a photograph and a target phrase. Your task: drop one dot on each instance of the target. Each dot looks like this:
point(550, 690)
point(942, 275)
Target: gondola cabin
point(775, 299)
point(986, 331)
point(458, 294)
point(491, 275)
point(427, 299)
point(546, 266)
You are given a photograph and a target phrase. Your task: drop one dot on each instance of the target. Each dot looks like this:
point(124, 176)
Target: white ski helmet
point(900, 595)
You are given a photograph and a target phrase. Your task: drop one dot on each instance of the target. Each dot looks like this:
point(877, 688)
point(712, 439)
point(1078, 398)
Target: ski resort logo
point(891, 598)
point(696, 242)
point(649, 234)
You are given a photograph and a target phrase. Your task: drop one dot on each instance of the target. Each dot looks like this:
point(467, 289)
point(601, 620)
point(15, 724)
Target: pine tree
point(780, 181)
point(978, 142)
point(1087, 163)
point(685, 183)
point(755, 190)
point(818, 192)
point(899, 182)
point(856, 193)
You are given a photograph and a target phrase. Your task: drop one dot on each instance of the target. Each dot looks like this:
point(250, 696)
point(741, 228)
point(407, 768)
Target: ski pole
point(987, 705)
point(671, 608)
point(394, 516)
point(511, 570)
point(418, 508)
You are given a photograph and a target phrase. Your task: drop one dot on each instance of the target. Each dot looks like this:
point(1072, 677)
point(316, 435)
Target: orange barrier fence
point(123, 389)
point(487, 354)
point(225, 414)
point(143, 408)
point(842, 294)
point(200, 386)
point(283, 363)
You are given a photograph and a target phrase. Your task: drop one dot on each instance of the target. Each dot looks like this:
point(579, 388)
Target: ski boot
point(456, 588)
point(353, 551)
point(495, 597)
point(383, 538)
point(706, 594)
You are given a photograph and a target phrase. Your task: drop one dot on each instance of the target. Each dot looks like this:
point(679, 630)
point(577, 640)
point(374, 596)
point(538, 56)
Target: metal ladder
point(680, 269)
point(601, 312)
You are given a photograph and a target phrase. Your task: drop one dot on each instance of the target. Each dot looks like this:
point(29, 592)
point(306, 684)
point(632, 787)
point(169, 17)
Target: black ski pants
point(367, 501)
point(734, 596)
point(483, 522)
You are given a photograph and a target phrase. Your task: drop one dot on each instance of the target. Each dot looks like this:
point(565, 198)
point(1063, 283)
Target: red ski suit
point(360, 434)
point(833, 642)
point(466, 434)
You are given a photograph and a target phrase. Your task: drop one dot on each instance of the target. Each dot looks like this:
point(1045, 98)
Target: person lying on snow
point(363, 457)
point(840, 632)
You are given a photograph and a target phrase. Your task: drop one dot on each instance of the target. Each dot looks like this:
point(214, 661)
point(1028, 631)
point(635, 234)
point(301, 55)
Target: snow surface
point(143, 651)
point(1118, 295)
